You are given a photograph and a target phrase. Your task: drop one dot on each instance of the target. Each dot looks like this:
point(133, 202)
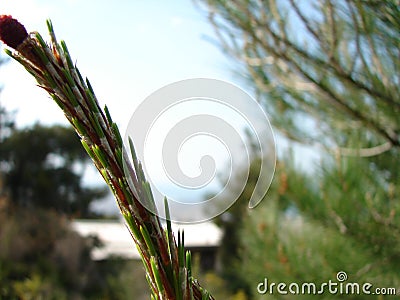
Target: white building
point(203, 238)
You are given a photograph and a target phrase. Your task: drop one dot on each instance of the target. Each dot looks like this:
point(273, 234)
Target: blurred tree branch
point(334, 64)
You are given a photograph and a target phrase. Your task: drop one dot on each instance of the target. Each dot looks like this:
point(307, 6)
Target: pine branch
point(347, 60)
point(167, 264)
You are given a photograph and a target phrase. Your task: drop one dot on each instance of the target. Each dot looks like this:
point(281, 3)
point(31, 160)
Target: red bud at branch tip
point(12, 32)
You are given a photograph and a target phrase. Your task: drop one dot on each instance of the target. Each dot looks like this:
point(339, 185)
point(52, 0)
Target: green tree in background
point(41, 169)
point(42, 258)
point(327, 73)
point(309, 228)
point(323, 69)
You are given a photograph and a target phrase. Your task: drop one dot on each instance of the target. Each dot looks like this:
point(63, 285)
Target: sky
point(128, 49)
